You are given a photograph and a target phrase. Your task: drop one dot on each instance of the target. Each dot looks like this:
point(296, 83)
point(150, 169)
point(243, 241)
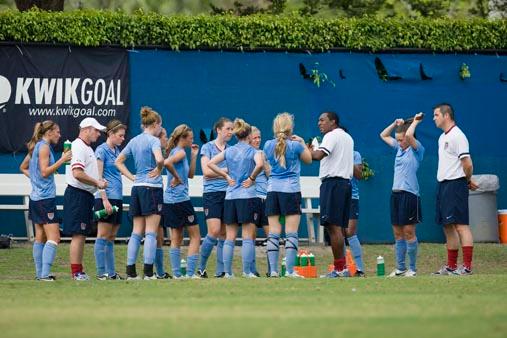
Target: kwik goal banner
point(63, 84)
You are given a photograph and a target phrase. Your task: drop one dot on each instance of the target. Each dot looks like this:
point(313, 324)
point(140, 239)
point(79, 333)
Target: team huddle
point(244, 187)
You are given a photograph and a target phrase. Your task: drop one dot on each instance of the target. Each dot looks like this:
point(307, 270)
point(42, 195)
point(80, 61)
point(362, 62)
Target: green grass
point(371, 307)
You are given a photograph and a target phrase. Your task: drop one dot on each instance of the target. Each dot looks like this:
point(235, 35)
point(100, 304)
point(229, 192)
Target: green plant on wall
point(464, 71)
point(319, 78)
point(368, 172)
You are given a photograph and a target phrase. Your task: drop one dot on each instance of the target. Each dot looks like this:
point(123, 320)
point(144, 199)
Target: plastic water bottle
point(304, 259)
point(381, 269)
point(311, 258)
point(284, 267)
point(103, 213)
point(183, 267)
point(67, 145)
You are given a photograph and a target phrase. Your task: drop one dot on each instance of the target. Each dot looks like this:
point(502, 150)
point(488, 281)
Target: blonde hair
point(241, 129)
point(180, 131)
point(282, 128)
point(255, 130)
point(39, 130)
point(149, 117)
point(113, 126)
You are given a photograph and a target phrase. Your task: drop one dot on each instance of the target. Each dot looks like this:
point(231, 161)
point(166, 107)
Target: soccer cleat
point(398, 273)
point(249, 275)
point(463, 271)
point(228, 276)
point(49, 278)
point(222, 275)
point(359, 273)
point(273, 274)
point(410, 273)
point(116, 276)
point(202, 273)
point(136, 277)
point(180, 277)
point(336, 274)
point(195, 276)
point(256, 274)
point(81, 277)
point(446, 271)
point(164, 276)
point(294, 274)
point(102, 277)
point(152, 277)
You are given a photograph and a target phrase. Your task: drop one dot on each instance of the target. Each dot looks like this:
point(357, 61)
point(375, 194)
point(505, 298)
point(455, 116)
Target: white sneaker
point(195, 276)
point(273, 274)
point(398, 273)
point(133, 277)
point(152, 277)
point(249, 275)
point(294, 274)
point(228, 276)
point(180, 277)
point(410, 273)
point(81, 277)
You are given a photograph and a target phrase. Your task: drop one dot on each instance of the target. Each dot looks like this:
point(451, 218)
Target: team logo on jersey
point(83, 226)
point(206, 211)
point(190, 218)
point(51, 215)
point(256, 215)
point(446, 145)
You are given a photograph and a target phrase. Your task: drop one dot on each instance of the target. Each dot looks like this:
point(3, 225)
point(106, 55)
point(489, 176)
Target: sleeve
point(205, 151)
point(328, 144)
point(419, 151)
point(127, 151)
point(395, 146)
point(357, 158)
point(78, 160)
point(100, 153)
point(298, 148)
point(462, 147)
point(155, 144)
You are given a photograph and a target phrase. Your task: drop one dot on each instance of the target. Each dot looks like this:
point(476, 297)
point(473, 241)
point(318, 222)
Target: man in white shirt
point(336, 154)
point(83, 181)
point(454, 177)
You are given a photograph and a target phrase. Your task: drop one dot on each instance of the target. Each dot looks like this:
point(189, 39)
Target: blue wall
point(198, 87)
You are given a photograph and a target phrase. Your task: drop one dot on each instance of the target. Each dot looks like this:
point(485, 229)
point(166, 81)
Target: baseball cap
point(91, 122)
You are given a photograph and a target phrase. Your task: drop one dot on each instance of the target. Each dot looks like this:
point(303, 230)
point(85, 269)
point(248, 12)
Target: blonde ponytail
point(180, 131)
point(282, 128)
point(39, 130)
point(241, 129)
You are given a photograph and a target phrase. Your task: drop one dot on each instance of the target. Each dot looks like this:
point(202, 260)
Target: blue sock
point(247, 249)
point(400, 247)
point(412, 254)
point(291, 250)
point(150, 247)
point(206, 247)
point(175, 257)
point(228, 254)
point(159, 261)
point(37, 257)
point(133, 248)
point(355, 250)
point(100, 256)
point(220, 257)
point(253, 267)
point(191, 264)
point(110, 264)
point(48, 256)
point(273, 251)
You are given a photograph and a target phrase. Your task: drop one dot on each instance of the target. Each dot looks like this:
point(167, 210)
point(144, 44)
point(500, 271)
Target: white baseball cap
point(91, 122)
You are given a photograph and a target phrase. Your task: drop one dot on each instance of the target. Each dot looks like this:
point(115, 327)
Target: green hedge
point(99, 28)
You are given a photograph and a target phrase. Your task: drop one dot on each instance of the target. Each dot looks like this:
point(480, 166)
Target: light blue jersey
point(353, 181)
point(42, 188)
point(209, 150)
point(406, 164)
point(261, 185)
point(110, 173)
point(284, 179)
point(178, 193)
point(141, 148)
point(240, 162)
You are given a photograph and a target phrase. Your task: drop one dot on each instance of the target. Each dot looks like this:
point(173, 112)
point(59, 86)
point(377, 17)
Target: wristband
point(251, 178)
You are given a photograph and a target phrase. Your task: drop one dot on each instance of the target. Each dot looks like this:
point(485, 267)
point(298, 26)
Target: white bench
point(18, 185)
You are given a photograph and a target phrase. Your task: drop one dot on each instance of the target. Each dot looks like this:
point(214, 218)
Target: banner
point(63, 84)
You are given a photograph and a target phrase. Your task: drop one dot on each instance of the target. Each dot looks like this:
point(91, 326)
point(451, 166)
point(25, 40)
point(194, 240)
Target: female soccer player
point(284, 153)
point(146, 200)
point(108, 226)
point(405, 201)
point(39, 165)
point(213, 198)
point(178, 211)
point(243, 163)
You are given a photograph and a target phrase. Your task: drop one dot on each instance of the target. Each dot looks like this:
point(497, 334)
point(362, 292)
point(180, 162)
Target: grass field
point(425, 306)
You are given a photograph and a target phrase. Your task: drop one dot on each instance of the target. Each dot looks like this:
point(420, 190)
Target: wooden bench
point(18, 185)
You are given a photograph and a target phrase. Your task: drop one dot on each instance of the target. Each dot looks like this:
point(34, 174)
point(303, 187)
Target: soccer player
point(243, 163)
point(39, 166)
point(146, 200)
point(213, 198)
point(455, 169)
point(107, 227)
point(82, 182)
point(405, 200)
point(178, 211)
point(284, 154)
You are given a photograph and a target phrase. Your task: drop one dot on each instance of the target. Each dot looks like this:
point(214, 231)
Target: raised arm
point(306, 155)
point(411, 130)
point(45, 169)
point(385, 135)
point(194, 151)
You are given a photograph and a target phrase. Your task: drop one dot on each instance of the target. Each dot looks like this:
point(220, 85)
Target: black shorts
point(43, 211)
point(283, 203)
point(77, 211)
point(452, 202)
point(405, 208)
point(178, 215)
point(146, 201)
point(240, 211)
point(354, 209)
point(213, 204)
point(115, 217)
point(335, 196)
point(260, 209)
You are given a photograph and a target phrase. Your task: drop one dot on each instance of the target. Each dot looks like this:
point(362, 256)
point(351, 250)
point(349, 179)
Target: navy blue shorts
point(354, 208)
point(335, 196)
point(405, 208)
point(77, 211)
point(213, 204)
point(146, 201)
point(283, 203)
point(114, 218)
point(43, 211)
point(177, 215)
point(452, 202)
point(261, 219)
point(240, 211)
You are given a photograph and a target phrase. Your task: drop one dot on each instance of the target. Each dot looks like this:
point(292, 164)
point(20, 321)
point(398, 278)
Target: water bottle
point(183, 267)
point(311, 258)
point(304, 259)
point(381, 269)
point(284, 267)
point(103, 213)
point(67, 145)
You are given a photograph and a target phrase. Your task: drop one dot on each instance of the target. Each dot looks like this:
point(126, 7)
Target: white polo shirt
point(452, 147)
point(339, 148)
point(83, 157)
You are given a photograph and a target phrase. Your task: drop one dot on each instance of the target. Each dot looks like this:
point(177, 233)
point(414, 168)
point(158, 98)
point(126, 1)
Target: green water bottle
point(381, 268)
point(183, 267)
point(67, 145)
point(284, 267)
point(103, 213)
point(311, 258)
point(304, 259)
